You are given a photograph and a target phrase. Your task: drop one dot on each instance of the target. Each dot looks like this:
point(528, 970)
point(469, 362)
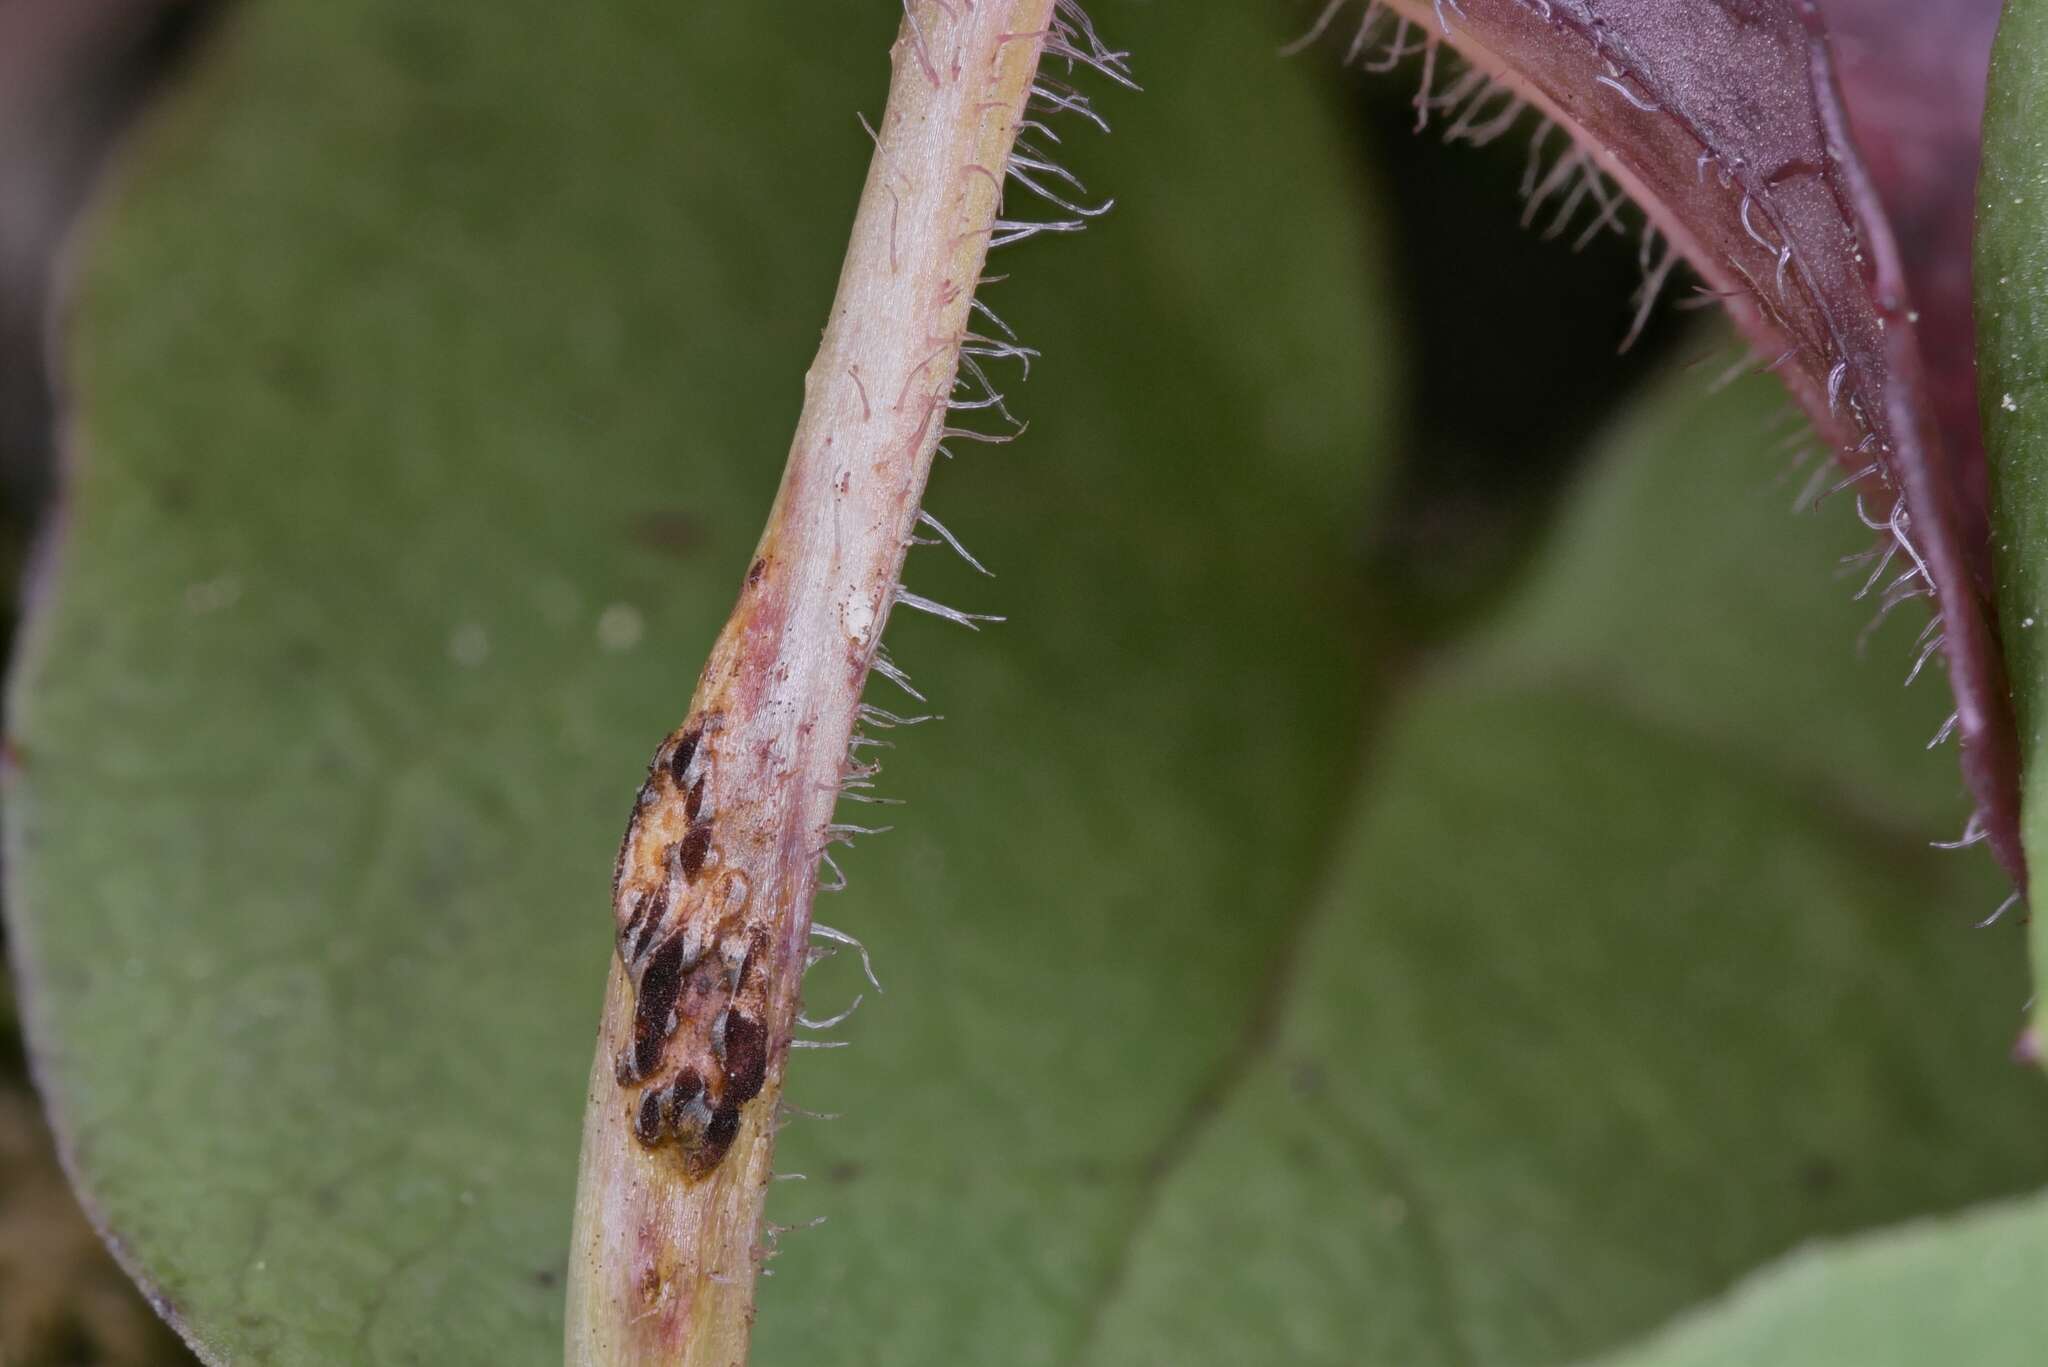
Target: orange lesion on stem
point(719, 866)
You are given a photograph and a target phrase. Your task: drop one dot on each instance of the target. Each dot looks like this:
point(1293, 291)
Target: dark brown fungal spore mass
point(652, 913)
point(698, 1049)
point(689, 1007)
point(718, 1135)
point(696, 848)
point(746, 1058)
point(685, 752)
point(685, 1089)
point(660, 985)
point(647, 1121)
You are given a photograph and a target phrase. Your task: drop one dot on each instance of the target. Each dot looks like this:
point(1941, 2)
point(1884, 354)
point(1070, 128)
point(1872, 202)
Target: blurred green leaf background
point(1425, 874)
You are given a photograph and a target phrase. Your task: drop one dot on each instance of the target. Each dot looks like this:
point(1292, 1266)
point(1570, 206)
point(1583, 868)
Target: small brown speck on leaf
point(670, 531)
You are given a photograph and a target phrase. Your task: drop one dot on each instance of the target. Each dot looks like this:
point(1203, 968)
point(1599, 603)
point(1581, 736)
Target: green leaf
point(1964, 1288)
point(428, 351)
point(1631, 973)
point(435, 367)
point(2012, 374)
point(1961, 1289)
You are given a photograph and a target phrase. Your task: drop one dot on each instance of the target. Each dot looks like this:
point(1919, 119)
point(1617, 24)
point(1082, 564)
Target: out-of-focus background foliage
point(73, 74)
point(1424, 875)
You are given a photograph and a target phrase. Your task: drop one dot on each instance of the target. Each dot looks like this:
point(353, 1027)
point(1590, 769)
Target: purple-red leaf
point(1912, 77)
point(1733, 125)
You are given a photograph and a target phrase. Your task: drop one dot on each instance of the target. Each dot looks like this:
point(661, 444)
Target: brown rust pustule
point(696, 950)
point(715, 878)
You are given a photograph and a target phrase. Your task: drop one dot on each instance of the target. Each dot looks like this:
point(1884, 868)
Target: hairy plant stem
point(668, 1240)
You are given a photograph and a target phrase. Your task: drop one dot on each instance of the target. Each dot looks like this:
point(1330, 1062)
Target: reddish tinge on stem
point(719, 865)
